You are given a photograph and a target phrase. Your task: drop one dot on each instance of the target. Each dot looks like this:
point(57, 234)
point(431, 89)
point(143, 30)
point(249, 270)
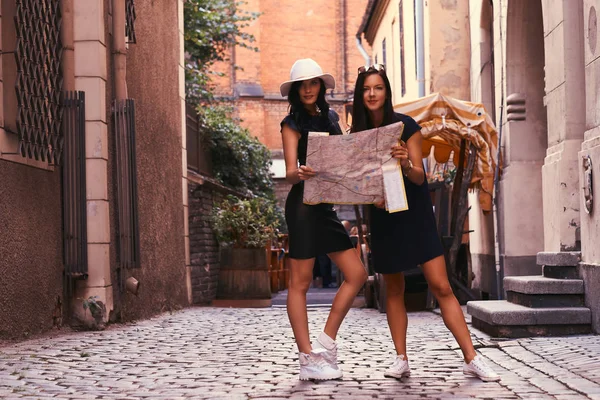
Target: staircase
point(551, 304)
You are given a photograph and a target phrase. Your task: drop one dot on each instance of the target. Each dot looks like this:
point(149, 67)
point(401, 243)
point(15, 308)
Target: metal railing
point(126, 182)
point(74, 186)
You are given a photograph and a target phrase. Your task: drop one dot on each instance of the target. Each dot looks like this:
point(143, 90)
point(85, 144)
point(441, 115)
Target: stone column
point(565, 85)
point(90, 77)
point(524, 136)
point(184, 180)
point(590, 216)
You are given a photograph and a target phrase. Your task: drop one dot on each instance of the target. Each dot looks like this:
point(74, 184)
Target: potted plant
point(244, 228)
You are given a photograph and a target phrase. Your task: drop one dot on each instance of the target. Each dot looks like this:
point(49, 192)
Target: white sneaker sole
point(483, 378)
point(395, 375)
point(309, 377)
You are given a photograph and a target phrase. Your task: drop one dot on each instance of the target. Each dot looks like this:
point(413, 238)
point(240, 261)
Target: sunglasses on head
point(374, 67)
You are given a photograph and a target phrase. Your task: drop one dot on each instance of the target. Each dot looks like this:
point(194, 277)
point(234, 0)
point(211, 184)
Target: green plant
point(245, 223)
point(449, 176)
point(92, 304)
point(211, 27)
point(442, 175)
point(239, 159)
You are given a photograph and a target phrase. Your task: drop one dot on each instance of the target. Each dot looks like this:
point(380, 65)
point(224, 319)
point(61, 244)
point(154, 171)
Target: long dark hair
point(297, 107)
point(360, 115)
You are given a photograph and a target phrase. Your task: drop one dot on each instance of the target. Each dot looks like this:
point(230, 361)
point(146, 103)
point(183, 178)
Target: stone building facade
point(113, 206)
point(535, 66)
point(545, 83)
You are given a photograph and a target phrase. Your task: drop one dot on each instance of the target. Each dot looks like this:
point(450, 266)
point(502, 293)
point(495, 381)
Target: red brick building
point(286, 31)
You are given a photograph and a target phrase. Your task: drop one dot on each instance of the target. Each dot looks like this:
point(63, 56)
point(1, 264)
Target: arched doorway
point(525, 140)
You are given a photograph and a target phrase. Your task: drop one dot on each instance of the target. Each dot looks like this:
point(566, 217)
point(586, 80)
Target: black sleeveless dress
point(400, 241)
point(313, 229)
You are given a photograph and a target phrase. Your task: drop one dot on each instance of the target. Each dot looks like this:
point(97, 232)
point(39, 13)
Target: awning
point(445, 121)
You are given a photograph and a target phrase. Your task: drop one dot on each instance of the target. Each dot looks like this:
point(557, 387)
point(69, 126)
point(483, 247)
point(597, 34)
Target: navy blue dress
point(403, 240)
point(313, 229)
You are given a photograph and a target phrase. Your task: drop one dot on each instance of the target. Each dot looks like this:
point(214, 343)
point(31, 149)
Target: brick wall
point(204, 249)
point(286, 31)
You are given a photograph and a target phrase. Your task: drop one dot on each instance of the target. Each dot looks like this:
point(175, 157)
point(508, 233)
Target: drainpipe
point(344, 55)
point(119, 55)
point(497, 263)
point(420, 31)
point(67, 38)
point(362, 50)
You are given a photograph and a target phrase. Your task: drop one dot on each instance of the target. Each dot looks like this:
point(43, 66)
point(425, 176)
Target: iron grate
point(130, 21)
point(39, 79)
point(126, 182)
point(74, 186)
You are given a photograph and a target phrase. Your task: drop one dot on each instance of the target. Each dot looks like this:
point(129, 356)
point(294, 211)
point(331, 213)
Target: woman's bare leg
point(396, 311)
point(437, 278)
point(301, 272)
point(355, 277)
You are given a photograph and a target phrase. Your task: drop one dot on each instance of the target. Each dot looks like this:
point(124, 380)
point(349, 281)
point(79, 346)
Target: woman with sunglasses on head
point(403, 240)
point(313, 229)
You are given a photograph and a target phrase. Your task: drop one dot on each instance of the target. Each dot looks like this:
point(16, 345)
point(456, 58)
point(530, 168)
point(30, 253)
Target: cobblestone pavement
point(212, 353)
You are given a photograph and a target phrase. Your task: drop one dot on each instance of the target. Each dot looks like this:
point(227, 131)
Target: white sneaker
point(330, 347)
point(315, 366)
point(399, 368)
point(479, 369)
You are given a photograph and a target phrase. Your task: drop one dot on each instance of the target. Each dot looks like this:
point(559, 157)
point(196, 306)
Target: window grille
point(39, 80)
point(130, 21)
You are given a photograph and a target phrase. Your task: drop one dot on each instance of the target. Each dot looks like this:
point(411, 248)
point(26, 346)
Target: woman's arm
point(293, 173)
point(411, 151)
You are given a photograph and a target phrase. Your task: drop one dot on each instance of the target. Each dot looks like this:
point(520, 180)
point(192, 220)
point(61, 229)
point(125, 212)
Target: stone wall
point(590, 221)
point(204, 248)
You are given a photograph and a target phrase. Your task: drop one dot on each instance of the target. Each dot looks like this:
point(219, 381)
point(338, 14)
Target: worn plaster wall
point(448, 51)
point(30, 250)
point(153, 82)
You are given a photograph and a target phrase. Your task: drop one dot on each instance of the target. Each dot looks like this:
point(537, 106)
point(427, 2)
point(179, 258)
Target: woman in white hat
point(314, 229)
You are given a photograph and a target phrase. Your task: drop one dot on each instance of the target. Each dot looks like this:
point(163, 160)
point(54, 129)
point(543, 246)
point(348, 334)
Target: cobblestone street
point(217, 353)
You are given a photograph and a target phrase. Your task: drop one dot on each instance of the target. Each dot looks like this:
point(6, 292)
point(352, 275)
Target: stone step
point(538, 284)
point(560, 272)
point(561, 259)
point(499, 318)
point(546, 300)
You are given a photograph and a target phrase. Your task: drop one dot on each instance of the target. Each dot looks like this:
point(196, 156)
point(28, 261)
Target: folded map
point(350, 168)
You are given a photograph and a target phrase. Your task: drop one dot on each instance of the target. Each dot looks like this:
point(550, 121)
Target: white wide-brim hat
point(304, 69)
